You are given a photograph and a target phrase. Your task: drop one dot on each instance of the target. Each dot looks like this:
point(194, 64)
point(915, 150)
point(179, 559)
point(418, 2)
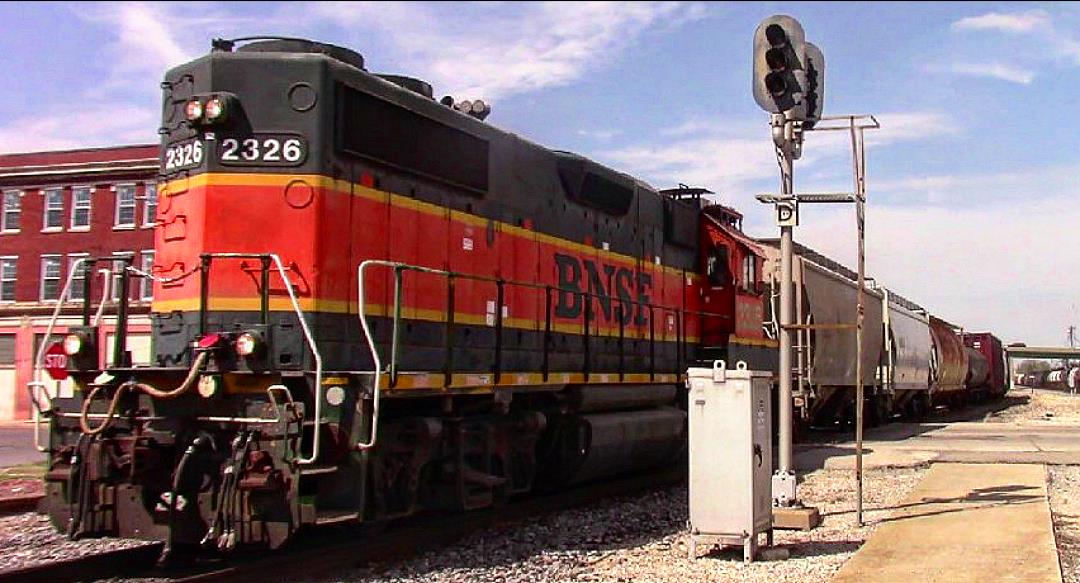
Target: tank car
point(369, 303)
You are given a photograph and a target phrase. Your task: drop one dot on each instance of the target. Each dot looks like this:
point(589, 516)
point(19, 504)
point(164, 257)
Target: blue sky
point(972, 179)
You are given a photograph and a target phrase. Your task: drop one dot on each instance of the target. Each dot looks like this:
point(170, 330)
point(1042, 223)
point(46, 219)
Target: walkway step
point(965, 522)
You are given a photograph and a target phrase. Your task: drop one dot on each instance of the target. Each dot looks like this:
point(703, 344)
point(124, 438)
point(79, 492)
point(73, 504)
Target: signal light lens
point(246, 344)
point(775, 34)
point(215, 109)
point(193, 110)
point(776, 59)
point(775, 83)
point(73, 343)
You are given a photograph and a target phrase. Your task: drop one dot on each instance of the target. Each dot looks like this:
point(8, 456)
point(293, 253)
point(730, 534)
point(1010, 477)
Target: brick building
point(56, 208)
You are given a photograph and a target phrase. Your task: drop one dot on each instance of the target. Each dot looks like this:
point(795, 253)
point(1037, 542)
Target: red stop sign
point(56, 361)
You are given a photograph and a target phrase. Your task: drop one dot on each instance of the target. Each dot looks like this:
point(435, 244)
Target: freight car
point(369, 303)
point(989, 347)
point(914, 361)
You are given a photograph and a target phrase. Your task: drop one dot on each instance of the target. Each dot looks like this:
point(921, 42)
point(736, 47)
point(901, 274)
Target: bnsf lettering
point(602, 282)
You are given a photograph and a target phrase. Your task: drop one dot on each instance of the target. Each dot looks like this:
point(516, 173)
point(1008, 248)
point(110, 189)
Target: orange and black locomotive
point(369, 303)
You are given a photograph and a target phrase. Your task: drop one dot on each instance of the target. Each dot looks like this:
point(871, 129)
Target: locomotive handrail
point(500, 283)
point(36, 382)
point(308, 338)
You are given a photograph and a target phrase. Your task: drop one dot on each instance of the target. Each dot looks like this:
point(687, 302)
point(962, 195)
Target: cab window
point(717, 267)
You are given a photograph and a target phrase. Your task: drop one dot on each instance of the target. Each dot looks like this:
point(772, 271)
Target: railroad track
point(20, 503)
point(330, 549)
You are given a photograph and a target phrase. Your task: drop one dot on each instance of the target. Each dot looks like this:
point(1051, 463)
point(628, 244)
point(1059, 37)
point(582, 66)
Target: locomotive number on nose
point(183, 155)
point(263, 150)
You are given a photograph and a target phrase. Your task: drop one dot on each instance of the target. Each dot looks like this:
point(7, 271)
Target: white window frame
point(14, 276)
point(75, 207)
point(149, 220)
point(76, 280)
point(116, 266)
point(59, 277)
point(46, 210)
point(146, 285)
point(117, 225)
point(18, 194)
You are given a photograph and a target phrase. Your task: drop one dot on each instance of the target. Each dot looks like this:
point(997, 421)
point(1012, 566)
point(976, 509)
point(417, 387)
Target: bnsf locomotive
point(369, 303)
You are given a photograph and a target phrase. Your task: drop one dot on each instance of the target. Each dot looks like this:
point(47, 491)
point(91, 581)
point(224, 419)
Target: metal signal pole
point(785, 149)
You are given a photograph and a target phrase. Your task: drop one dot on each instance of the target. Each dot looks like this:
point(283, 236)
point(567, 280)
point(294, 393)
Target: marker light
point(73, 343)
point(193, 110)
point(215, 109)
point(246, 344)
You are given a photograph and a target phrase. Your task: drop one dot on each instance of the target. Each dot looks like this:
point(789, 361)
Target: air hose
point(189, 382)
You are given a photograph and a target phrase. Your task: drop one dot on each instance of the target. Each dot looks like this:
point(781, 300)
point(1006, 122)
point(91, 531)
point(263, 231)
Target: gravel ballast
point(643, 538)
point(1064, 488)
point(29, 538)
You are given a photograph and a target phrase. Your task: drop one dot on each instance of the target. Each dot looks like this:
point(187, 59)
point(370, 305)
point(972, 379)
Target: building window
point(78, 279)
point(7, 278)
point(12, 210)
point(80, 207)
point(53, 213)
point(50, 278)
point(7, 350)
point(146, 285)
point(118, 272)
point(125, 206)
point(150, 206)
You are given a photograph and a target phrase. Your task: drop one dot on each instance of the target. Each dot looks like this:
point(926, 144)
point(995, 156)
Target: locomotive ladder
point(679, 317)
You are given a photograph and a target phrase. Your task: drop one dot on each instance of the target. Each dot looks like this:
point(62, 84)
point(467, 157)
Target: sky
point(972, 185)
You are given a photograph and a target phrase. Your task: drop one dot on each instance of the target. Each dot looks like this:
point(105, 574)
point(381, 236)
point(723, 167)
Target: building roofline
point(78, 150)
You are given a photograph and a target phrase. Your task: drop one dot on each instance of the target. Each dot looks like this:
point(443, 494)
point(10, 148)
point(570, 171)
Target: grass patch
point(33, 471)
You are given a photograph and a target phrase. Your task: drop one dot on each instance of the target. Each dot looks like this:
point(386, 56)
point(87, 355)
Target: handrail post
point(622, 352)
point(499, 299)
point(588, 314)
point(652, 345)
point(678, 341)
point(264, 292)
point(120, 346)
point(448, 361)
point(545, 366)
point(394, 341)
point(88, 274)
point(204, 290)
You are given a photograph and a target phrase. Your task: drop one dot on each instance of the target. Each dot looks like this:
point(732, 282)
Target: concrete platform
point(965, 522)
point(908, 444)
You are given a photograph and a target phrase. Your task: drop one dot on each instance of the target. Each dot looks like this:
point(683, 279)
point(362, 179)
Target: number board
point(262, 150)
point(179, 156)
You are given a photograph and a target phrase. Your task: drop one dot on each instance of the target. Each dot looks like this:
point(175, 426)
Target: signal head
point(779, 80)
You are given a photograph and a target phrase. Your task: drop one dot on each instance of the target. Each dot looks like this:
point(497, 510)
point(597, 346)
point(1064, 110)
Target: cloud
point(599, 135)
point(1010, 73)
point(1005, 22)
point(98, 125)
point(716, 153)
point(493, 52)
point(991, 265)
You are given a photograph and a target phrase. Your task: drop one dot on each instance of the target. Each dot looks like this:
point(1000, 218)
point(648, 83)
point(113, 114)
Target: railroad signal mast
point(789, 83)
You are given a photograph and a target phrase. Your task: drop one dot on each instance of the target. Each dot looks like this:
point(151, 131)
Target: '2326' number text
point(263, 150)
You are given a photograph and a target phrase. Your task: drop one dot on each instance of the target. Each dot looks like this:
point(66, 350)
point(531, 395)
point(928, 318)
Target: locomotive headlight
point(215, 109)
point(193, 110)
point(73, 343)
point(247, 344)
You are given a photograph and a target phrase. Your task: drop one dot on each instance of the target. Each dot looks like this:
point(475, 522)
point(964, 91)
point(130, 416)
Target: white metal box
point(730, 456)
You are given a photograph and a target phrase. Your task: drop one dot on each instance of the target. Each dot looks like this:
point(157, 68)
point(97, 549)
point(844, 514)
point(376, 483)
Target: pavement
point(908, 444)
point(965, 522)
point(17, 445)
